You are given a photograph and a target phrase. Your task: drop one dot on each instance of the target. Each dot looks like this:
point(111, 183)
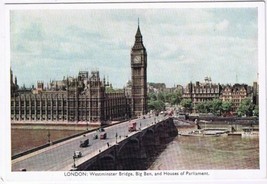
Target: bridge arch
point(132, 145)
point(106, 162)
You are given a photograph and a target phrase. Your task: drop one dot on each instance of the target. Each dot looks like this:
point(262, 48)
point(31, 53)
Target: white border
point(221, 176)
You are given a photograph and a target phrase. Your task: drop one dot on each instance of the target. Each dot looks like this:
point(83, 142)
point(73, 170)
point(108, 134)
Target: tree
point(245, 108)
point(161, 97)
point(157, 101)
point(256, 111)
point(201, 107)
point(213, 106)
point(152, 96)
point(186, 103)
point(176, 98)
point(227, 106)
point(156, 105)
point(216, 106)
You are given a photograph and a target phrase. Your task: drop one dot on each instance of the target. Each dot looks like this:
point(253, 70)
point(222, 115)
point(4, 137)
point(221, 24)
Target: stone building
point(207, 91)
point(200, 92)
point(236, 94)
point(73, 99)
point(84, 98)
point(139, 75)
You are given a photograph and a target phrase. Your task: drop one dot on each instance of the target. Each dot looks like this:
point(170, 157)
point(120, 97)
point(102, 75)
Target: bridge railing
point(59, 141)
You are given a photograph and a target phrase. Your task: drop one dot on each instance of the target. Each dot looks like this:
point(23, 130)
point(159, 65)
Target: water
point(193, 153)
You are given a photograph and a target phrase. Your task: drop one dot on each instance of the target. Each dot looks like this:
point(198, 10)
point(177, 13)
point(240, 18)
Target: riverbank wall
point(56, 126)
point(225, 120)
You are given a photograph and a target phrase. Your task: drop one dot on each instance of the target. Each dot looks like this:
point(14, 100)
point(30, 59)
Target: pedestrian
point(108, 144)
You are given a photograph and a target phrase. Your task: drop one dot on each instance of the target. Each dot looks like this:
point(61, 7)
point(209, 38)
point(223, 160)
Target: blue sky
point(183, 45)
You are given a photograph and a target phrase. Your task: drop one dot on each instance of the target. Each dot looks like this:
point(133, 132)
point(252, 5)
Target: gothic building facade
point(72, 99)
point(83, 98)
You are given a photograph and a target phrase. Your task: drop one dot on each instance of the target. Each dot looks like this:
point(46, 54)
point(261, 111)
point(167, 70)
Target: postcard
point(133, 91)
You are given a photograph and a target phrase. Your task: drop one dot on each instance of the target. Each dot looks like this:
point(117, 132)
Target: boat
point(204, 133)
point(250, 132)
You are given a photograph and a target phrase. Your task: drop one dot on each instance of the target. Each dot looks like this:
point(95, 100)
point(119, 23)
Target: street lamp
point(116, 136)
point(74, 165)
point(48, 136)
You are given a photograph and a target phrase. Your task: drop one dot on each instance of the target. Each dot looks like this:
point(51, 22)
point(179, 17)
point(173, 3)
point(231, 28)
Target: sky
point(182, 45)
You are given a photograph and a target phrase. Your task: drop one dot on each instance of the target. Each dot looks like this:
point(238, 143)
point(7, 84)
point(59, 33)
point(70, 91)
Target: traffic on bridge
point(66, 155)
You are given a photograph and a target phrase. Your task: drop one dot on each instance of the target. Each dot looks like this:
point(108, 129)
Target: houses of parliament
point(84, 98)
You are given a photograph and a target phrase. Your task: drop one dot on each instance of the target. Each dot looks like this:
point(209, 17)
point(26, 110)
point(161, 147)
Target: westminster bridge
point(121, 150)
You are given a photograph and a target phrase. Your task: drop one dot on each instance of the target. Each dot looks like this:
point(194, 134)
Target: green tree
point(176, 98)
point(201, 107)
point(245, 108)
point(152, 96)
point(156, 105)
point(256, 111)
point(215, 106)
point(227, 106)
point(161, 96)
point(186, 103)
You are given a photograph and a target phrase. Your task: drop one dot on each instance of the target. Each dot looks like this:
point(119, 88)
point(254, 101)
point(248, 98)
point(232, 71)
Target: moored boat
point(250, 132)
point(205, 132)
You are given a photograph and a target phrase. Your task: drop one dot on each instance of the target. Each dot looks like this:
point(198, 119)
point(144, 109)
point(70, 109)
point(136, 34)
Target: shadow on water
point(151, 152)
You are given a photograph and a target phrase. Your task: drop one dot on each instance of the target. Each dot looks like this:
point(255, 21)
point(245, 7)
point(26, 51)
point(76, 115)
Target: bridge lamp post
point(48, 136)
point(74, 165)
point(116, 137)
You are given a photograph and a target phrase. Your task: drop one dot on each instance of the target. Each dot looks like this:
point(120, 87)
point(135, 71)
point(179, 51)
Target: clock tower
point(139, 77)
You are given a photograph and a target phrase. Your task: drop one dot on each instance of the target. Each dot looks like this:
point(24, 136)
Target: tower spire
point(138, 38)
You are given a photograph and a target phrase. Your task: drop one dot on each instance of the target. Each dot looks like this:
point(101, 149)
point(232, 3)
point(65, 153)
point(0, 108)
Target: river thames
point(222, 153)
point(183, 153)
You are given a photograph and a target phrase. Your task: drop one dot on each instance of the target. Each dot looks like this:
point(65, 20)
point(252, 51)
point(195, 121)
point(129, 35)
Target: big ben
point(139, 75)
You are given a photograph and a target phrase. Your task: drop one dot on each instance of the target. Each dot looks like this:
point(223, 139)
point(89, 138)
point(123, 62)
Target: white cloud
point(222, 26)
point(186, 44)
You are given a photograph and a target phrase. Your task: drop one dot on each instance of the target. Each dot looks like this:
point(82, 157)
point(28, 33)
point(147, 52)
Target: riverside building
point(207, 91)
point(200, 92)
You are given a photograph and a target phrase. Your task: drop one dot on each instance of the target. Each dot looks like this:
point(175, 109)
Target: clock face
point(137, 59)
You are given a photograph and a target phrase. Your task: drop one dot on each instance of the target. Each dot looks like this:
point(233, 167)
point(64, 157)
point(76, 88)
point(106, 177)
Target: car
point(77, 154)
point(96, 136)
point(23, 169)
point(132, 127)
point(103, 135)
point(101, 129)
point(84, 143)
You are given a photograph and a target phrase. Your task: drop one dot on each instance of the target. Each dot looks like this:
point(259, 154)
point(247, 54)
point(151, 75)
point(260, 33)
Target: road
point(59, 157)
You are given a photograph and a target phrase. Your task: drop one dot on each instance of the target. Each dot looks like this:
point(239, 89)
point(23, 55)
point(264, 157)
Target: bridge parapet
point(138, 147)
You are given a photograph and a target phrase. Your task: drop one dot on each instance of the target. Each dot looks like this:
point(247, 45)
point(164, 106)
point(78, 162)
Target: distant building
point(236, 94)
point(13, 83)
point(207, 91)
point(156, 87)
point(200, 92)
point(255, 97)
